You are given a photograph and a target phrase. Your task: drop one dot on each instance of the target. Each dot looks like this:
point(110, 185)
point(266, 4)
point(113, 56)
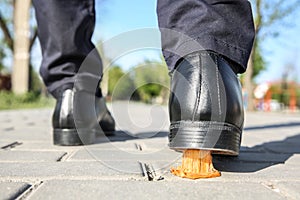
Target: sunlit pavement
point(135, 163)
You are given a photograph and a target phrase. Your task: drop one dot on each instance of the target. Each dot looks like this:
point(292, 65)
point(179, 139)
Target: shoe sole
point(220, 138)
point(73, 137)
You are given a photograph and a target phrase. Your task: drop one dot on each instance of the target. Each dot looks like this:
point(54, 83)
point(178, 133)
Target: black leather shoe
point(106, 121)
point(206, 109)
point(76, 121)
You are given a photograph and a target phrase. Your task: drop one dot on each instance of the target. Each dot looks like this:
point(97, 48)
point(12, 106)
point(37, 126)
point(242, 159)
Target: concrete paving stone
point(48, 146)
point(232, 172)
point(4, 120)
point(280, 172)
point(271, 136)
point(109, 155)
point(126, 145)
point(29, 156)
point(44, 146)
point(152, 190)
point(124, 155)
point(154, 143)
point(256, 157)
point(28, 135)
point(11, 190)
point(269, 154)
point(7, 128)
point(26, 115)
point(244, 167)
point(251, 119)
point(130, 136)
point(249, 139)
point(87, 169)
point(293, 160)
point(4, 143)
point(290, 188)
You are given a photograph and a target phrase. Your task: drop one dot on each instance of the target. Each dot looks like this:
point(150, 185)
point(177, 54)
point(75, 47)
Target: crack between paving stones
point(149, 172)
point(66, 156)
point(273, 188)
point(139, 146)
point(29, 191)
point(11, 145)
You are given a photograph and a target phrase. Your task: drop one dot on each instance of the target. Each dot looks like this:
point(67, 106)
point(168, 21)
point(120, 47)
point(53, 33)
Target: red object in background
point(293, 99)
point(268, 98)
point(5, 82)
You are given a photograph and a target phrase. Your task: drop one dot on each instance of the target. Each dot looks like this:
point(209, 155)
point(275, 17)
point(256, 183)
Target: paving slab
point(268, 166)
point(43, 146)
point(113, 154)
point(290, 188)
point(30, 156)
point(11, 190)
point(153, 190)
point(98, 169)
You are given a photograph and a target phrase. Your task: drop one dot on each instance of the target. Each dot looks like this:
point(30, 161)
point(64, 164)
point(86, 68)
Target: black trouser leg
point(223, 26)
point(65, 28)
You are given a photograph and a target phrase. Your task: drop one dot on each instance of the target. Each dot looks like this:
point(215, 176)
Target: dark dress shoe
point(106, 121)
point(76, 120)
point(206, 109)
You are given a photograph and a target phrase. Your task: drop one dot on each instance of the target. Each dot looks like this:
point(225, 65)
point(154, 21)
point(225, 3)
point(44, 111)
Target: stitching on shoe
point(212, 125)
point(218, 86)
point(198, 88)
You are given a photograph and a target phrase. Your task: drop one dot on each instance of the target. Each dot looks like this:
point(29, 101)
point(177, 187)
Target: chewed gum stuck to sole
point(196, 164)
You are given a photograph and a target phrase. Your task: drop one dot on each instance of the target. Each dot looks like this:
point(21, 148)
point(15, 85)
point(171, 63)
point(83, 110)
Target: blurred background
point(271, 83)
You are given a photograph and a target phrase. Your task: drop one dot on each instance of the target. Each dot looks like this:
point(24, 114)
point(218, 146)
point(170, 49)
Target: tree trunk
point(105, 63)
point(20, 75)
point(248, 82)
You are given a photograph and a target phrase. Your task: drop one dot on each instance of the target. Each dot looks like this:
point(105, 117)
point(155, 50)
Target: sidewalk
point(135, 163)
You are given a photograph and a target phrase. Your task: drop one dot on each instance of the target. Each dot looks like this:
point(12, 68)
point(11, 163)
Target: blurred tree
point(2, 55)
point(105, 64)
point(259, 62)
point(267, 13)
point(115, 73)
point(151, 80)
point(258, 66)
point(120, 84)
point(17, 37)
point(35, 83)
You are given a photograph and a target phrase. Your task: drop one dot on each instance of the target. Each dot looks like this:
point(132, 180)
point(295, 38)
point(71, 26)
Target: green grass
point(9, 101)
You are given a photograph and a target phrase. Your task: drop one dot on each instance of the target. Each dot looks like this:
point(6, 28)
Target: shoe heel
point(213, 136)
point(73, 137)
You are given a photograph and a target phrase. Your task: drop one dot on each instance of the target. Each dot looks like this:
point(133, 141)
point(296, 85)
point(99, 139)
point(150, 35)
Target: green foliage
point(259, 62)
point(282, 92)
point(35, 84)
point(120, 85)
point(151, 79)
point(143, 82)
point(2, 55)
point(115, 73)
point(9, 100)
point(285, 98)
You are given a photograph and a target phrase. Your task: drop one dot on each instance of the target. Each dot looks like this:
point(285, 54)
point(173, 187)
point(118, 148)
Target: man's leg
point(222, 26)
point(65, 28)
point(205, 44)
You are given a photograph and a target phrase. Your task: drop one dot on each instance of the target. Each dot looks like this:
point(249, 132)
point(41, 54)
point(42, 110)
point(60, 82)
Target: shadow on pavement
point(120, 136)
point(250, 159)
point(260, 156)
